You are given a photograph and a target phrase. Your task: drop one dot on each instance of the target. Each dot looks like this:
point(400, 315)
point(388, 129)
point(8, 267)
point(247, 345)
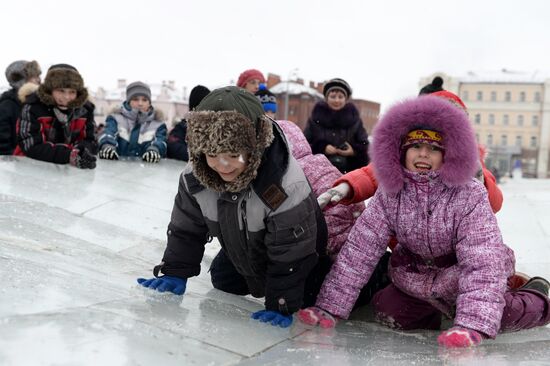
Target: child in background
point(250, 80)
point(450, 259)
point(268, 100)
point(177, 144)
point(336, 130)
point(243, 186)
point(136, 128)
point(57, 121)
point(18, 73)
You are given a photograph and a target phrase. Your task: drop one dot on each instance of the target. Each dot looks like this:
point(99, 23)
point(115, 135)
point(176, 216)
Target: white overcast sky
point(381, 48)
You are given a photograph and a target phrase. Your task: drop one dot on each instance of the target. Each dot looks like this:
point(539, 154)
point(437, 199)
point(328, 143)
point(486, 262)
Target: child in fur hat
point(177, 144)
point(450, 258)
point(57, 121)
point(243, 186)
point(20, 75)
point(135, 128)
point(336, 130)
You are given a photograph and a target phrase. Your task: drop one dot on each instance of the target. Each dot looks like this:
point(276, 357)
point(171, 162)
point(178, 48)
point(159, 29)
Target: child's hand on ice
point(457, 337)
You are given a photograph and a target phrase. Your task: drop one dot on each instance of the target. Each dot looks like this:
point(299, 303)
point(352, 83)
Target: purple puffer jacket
point(321, 174)
point(450, 250)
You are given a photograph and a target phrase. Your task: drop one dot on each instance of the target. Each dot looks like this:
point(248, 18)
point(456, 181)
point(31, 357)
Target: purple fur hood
point(461, 159)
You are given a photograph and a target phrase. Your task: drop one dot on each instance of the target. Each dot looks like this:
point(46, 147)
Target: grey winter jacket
point(269, 230)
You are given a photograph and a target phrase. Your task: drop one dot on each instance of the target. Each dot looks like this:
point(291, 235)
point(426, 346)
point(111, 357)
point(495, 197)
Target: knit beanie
point(337, 84)
point(435, 86)
point(61, 76)
point(18, 72)
point(137, 88)
point(228, 120)
point(267, 98)
point(451, 97)
point(197, 95)
point(248, 75)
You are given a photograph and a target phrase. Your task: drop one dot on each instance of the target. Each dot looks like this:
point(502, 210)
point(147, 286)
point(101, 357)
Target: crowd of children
point(293, 229)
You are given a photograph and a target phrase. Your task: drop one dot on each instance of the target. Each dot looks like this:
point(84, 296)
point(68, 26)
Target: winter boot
point(538, 284)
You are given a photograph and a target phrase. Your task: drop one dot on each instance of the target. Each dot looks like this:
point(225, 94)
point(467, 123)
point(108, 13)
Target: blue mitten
point(175, 285)
point(276, 318)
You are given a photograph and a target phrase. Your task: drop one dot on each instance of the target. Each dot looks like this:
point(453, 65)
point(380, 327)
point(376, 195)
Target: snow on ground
point(72, 243)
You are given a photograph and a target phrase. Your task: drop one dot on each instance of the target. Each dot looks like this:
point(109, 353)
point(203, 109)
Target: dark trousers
point(524, 309)
point(225, 278)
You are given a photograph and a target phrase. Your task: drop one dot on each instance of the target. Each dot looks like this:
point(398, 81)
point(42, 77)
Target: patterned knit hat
point(63, 76)
point(423, 136)
point(248, 75)
point(337, 84)
point(228, 120)
point(267, 98)
point(451, 97)
point(18, 72)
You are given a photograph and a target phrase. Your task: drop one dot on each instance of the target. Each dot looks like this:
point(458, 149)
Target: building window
point(504, 140)
point(479, 96)
point(507, 96)
point(537, 97)
point(522, 96)
point(505, 120)
point(520, 119)
point(534, 141)
point(477, 119)
point(465, 95)
point(489, 140)
point(493, 96)
point(535, 121)
point(491, 119)
point(519, 141)
point(477, 137)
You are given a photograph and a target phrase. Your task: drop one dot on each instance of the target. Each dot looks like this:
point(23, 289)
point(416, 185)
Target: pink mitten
point(459, 337)
point(314, 315)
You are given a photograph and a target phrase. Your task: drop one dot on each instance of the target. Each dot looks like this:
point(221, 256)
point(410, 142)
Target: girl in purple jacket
point(450, 259)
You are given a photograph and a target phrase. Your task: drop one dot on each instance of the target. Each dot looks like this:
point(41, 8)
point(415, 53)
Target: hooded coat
point(10, 109)
point(321, 174)
point(134, 132)
point(450, 251)
point(327, 126)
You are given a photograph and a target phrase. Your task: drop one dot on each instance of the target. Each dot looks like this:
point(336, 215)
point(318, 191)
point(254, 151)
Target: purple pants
point(524, 309)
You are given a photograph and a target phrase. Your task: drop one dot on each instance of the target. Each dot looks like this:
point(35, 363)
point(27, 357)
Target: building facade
point(510, 112)
point(301, 99)
point(165, 97)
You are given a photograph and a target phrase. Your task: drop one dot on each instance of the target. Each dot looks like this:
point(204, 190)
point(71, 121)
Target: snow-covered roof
point(505, 76)
point(294, 88)
point(157, 90)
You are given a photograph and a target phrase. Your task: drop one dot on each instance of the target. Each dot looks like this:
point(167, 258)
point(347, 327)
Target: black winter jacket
point(10, 110)
point(177, 145)
point(273, 231)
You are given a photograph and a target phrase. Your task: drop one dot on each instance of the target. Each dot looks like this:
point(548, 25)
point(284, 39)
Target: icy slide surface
point(73, 242)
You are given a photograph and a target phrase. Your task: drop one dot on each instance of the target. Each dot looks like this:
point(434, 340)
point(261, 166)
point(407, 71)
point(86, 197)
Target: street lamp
point(290, 74)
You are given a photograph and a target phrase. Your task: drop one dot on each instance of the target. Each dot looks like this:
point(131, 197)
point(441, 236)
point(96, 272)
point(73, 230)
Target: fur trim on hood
point(210, 132)
point(26, 90)
point(461, 160)
point(63, 77)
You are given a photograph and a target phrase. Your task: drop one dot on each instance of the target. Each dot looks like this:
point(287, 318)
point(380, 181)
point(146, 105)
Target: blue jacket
point(134, 132)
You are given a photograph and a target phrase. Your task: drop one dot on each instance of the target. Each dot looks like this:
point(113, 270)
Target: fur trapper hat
point(228, 120)
point(19, 72)
point(427, 112)
point(63, 76)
